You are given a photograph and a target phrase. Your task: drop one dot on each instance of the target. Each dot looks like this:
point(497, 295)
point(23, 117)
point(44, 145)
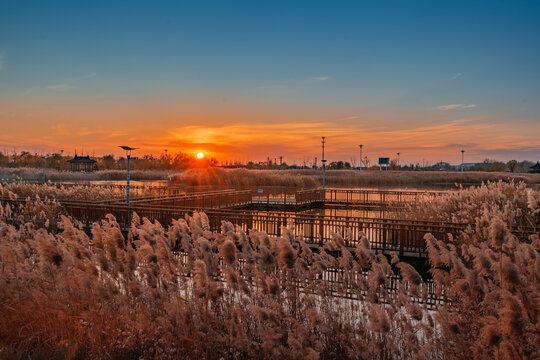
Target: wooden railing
point(206, 200)
point(336, 283)
point(404, 237)
point(370, 196)
point(343, 196)
point(309, 196)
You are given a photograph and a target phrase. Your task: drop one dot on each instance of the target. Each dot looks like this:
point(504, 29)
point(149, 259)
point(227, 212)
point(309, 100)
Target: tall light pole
point(398, 159)
point(360, 146)
point(44, 161)
point(128, 154)
point(323, 165)
point(462, 151)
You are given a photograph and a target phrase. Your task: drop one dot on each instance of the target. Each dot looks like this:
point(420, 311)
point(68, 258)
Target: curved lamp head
point(127, 148)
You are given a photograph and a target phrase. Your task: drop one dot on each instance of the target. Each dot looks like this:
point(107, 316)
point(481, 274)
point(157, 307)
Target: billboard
point(384, 161)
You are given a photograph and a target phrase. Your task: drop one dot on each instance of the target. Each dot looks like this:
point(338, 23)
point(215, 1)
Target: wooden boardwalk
point(206, 200)
point(385, 235)
point(406, 237)
point(286, 198)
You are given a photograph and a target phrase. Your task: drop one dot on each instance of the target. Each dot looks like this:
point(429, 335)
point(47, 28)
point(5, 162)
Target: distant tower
point(360, 146)
point(280, 161)
point(323, 164)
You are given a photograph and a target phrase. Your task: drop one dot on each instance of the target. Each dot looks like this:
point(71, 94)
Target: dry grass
point(244, 178)
point(515, 204)
point(36, 175)
point(23, 190)
point(345, 178)
point(285, 178)
point(235, 295)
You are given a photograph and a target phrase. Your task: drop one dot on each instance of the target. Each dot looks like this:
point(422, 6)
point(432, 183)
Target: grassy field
point(346, 178)
point(36, 175)
point(289, 178)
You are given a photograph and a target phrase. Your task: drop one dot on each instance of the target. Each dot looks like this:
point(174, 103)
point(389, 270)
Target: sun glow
point(200, 155)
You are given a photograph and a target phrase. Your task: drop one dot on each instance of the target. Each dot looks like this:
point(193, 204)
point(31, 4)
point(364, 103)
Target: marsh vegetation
point(180, 290)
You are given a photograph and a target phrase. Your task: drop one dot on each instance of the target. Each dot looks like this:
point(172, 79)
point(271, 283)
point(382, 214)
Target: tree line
point(180, 160)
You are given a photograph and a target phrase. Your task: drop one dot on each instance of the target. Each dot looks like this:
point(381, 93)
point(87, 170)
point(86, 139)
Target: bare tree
point(513, 165)
point(366, 162)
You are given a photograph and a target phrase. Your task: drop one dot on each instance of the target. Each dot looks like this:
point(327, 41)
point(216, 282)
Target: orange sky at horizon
point(240, 130)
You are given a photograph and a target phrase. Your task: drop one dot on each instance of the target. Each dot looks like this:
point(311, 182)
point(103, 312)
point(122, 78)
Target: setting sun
point(200, 155)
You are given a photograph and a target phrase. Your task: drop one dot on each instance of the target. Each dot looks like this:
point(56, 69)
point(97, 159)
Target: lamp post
point(360, 167)
point(44, 161)
point(462, 151)
point(128, 154)
point(323, 165)
point(398, 159)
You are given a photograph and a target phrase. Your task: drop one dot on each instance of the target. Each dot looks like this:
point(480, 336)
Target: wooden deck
point(385, 235)
point(206, 200)
point(405, 237)
point(351, 197)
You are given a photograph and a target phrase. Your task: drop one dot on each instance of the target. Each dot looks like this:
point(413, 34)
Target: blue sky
point(478, 61)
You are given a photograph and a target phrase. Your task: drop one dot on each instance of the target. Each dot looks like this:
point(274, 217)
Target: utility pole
point(462, 151)
point(128, 154)
point(323, 165)
point(360, 146)
point(44, 161)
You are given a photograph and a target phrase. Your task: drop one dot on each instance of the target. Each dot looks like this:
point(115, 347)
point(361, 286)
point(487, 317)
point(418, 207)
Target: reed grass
point(36, 175)
point(346, 178)
point(181, 291)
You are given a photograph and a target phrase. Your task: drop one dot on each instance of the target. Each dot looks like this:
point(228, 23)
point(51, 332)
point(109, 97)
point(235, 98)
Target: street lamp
point(360, 146)
point(462, 151)
point(323, 164)
point(128, 154)
point(44, 161)
point(398, 159)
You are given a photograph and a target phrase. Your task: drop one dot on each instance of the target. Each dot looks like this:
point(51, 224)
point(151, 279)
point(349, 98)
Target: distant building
point(535, 169)
point(82, 163)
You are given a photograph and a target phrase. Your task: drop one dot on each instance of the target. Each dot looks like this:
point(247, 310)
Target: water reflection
point(372, 213)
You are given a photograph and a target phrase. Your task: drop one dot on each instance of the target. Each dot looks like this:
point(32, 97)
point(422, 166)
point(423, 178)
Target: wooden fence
point(402, 236)
point(206, 200)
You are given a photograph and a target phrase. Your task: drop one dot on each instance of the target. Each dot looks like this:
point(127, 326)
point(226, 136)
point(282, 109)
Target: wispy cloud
point(352, 117)
point(455, 106)
point(457, 75)
point(321, 78)
point(59, 87)
point(449, 107)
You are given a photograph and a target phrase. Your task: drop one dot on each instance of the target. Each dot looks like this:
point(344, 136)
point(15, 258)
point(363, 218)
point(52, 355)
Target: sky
point(247, 80)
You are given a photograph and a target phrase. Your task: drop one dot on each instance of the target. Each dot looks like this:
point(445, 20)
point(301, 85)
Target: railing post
point(312, 230)
point(401, 239)
point(321, 230)
point(382, 228)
